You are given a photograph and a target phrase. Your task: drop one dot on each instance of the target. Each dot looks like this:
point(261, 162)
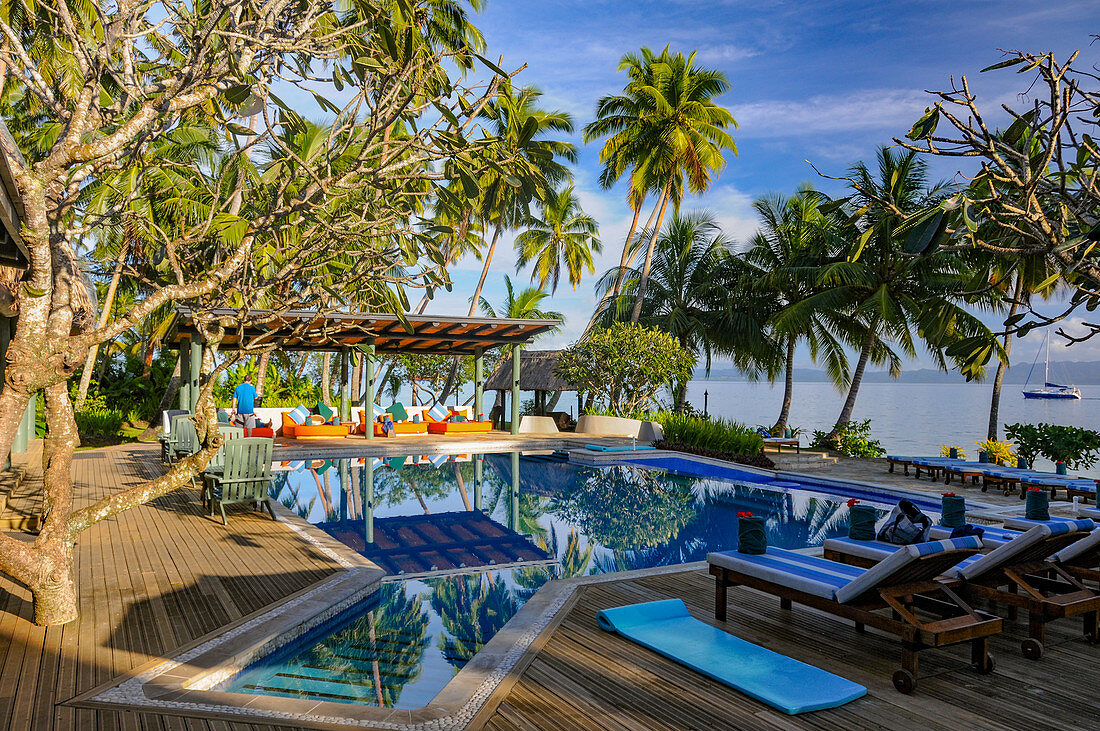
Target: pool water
point(401, 647)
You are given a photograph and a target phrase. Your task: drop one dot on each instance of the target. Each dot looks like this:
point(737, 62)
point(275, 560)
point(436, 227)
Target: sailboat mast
point(1046, 371)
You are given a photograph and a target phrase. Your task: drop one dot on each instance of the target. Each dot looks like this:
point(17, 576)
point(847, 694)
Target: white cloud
point(867, 109)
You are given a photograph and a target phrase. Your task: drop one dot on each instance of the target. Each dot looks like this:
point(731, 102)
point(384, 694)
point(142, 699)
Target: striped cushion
point(809, 574)
point(883, 573)
point(1093, 513)
point(436, 413)
point(870, 550)
point(1006, 554)
point(1077, 549)
point(1060, 525)
point(439, 460)
point(299, 415)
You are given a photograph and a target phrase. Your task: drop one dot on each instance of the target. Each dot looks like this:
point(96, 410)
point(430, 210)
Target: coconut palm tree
point(782, 258)
point(893, 298)
point(562, 236)
point(525, 131)
point(666, 128)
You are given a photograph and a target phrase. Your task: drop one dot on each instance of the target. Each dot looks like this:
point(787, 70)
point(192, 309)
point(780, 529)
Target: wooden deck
point(152, 580)
point(585, 678)
point(157, 578)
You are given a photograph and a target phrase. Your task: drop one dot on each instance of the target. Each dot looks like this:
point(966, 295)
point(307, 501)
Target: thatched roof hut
point(536, 373)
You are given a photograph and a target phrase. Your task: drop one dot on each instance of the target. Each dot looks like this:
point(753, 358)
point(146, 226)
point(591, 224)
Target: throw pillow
point(437, 413)
point(325, 410)
point(298, 415)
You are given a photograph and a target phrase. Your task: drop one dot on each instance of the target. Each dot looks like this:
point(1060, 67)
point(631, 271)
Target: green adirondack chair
point(217, 462)
point(245, 475)
point(185, 440)
point(167, 437)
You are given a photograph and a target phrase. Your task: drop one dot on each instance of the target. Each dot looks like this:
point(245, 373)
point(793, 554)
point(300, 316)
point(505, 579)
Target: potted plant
point(997, 452)
point(954, 452)
point(1069, 446)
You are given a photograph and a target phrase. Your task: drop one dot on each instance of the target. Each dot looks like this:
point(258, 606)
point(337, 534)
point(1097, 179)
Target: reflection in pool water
point(401, 648)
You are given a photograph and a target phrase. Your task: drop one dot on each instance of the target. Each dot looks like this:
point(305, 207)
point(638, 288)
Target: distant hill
point(1070, 372)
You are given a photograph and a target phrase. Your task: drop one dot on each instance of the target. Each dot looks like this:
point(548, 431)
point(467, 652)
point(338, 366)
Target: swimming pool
point(432, 615)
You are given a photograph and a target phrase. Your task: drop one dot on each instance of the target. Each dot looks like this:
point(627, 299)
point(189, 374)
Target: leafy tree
point(564, 235)
point(428, 372)
point(666, 128)
point(625, 365)
point(326, 220)
point(1037, 184)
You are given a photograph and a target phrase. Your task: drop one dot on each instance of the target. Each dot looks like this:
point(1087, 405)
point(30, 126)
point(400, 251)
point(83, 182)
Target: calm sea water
point(908, 418)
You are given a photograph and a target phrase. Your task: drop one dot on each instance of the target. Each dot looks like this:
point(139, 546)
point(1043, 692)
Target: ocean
point(908, 418)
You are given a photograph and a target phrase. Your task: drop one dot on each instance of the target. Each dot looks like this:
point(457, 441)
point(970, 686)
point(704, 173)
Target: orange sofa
point(399, 427)
point(457, 427)
point(312, 431)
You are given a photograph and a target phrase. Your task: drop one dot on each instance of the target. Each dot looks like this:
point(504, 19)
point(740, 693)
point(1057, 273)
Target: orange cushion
point(321, 430)
point(403, 427)
point(460, 427)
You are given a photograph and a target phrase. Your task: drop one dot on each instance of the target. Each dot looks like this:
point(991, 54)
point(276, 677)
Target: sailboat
point(1049, 390)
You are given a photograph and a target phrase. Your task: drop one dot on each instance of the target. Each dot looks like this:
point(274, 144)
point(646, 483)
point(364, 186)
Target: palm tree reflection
point(473, 608)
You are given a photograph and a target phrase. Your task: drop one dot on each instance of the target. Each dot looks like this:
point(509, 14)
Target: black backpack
point(906, 524)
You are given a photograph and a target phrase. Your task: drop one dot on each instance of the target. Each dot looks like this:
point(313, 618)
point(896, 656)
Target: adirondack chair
point(166, 436)
point(245, 475)
point(185, 440)
point(217, 462)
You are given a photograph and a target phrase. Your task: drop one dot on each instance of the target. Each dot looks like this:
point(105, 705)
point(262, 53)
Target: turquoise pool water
point(403, 645)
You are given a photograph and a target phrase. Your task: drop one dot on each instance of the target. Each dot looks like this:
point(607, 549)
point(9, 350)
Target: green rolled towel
point(861, 523)
point(953, 511)
point(1037, 506)
point(751, 537)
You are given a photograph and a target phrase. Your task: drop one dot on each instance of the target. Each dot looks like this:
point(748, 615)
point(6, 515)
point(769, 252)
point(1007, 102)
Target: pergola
point(371, 334)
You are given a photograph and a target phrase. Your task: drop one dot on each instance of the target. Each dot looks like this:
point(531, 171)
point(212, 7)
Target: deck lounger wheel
point(904, 681)
point(1032, 648)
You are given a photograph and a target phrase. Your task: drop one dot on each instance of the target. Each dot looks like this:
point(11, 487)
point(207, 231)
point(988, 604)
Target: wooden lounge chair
point(217, 462)
point(780, 442)
point(1018, 574)
point(896, 596)
point(893, 460)
point(185, 439)
point(245, 476)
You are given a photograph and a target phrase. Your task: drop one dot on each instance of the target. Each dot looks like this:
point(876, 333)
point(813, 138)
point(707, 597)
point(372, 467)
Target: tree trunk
point(853, 388)
point(625, 259)
point(788, 387)
point(1002, 366)
point(326, 378)
point(484, 272)
point(261, 373)
point(649, 256)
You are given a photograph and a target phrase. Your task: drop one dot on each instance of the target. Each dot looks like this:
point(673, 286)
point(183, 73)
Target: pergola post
point(516, 350)
point(479, 476)
point(345, 386)
point(368, 493)
point(368, 392)
point(185, 374)
point(195, 356)
point(479, 383)
point(513, 494)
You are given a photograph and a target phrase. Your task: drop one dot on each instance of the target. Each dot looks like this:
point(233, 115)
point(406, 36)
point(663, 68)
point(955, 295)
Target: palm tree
point(682, 277)
point(564, 235)
point(522, 128)
point(891, 296)
point(781, 259)
point(667, 129)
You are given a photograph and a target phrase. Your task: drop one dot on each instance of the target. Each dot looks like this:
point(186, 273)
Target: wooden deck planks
point(586, 678)
point(151, 580)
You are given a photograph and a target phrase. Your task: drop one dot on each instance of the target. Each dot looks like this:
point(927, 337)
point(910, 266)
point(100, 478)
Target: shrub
point(100, 423)
point(625, 365)
point(853, 440)
point(997, 452)
point(719, 435)
point(1028, 438)
point(1073, 445)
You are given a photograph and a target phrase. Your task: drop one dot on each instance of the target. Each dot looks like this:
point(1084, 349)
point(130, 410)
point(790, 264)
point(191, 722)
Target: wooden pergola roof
point(314, 331)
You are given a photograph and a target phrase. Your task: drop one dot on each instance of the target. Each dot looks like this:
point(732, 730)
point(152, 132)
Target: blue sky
point(825, 82)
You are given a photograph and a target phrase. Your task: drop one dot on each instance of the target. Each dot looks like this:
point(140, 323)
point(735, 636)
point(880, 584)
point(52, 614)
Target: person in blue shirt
point(244, 402)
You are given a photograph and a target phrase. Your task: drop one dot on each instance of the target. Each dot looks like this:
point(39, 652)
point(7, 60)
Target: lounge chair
point(185, 439)
point(904, 583)
point(442, 420)
point(217, 462)
point(400, 419)
point(782, 682)
point(893, 460)
point(1018, 574)
point(245, 476)
point(1084, 487)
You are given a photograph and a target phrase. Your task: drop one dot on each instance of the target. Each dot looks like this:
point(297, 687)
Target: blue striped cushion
point(882, 574)
point(1059, 526)
point(810, 574)
point(1090, 543)
point(299, 415)
point(438, 413)
point(1001, 556)
point(991, 537)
